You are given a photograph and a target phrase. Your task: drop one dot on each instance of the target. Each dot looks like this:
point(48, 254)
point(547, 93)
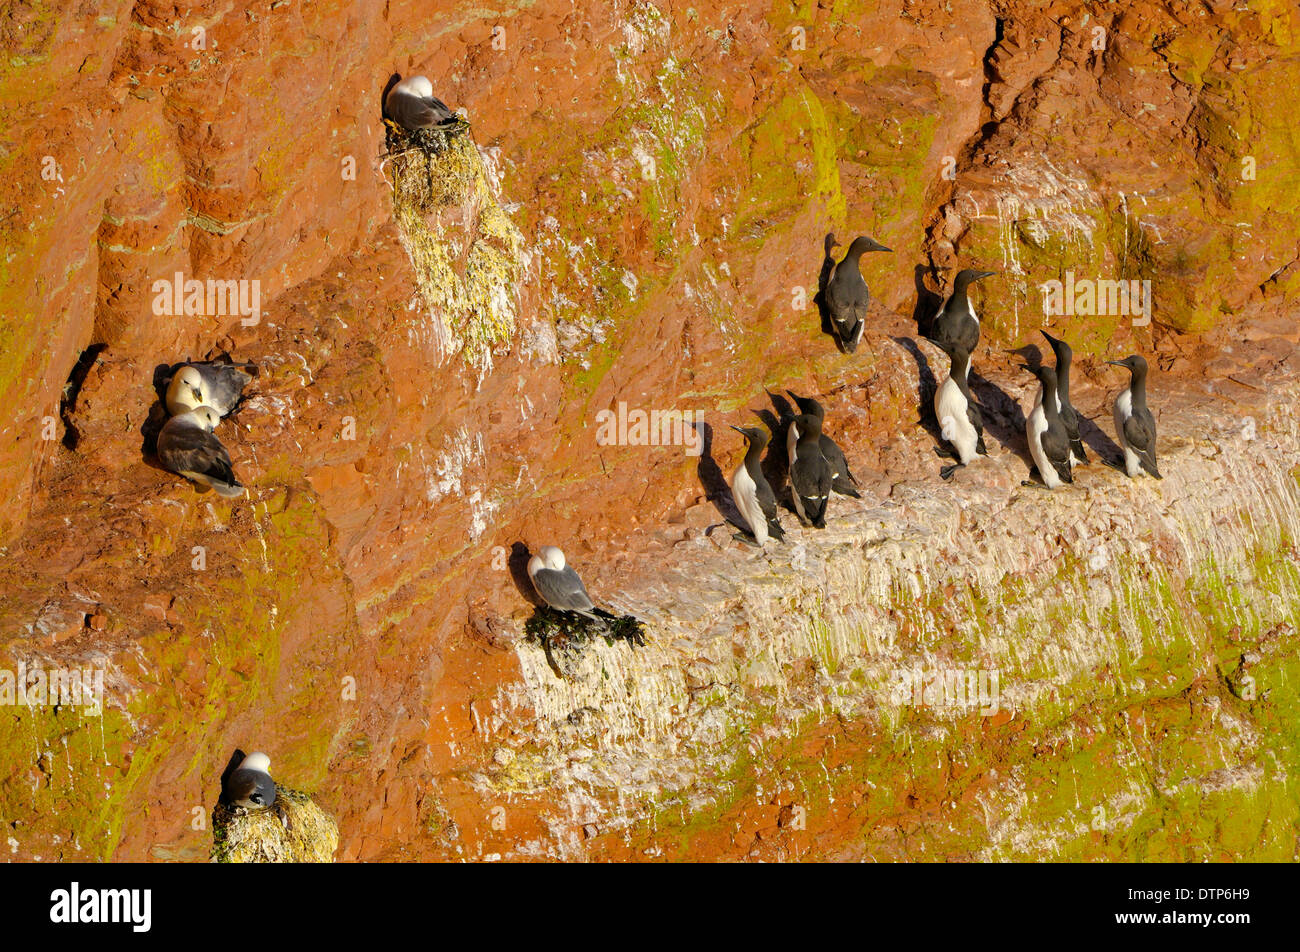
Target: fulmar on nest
point(259, 821)
point(415, 116)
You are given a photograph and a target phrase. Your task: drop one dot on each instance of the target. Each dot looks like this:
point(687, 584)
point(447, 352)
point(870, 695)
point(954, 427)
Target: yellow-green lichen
point(468, 256)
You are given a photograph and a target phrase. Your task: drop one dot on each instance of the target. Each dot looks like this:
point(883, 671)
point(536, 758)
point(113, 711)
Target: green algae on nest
point(468, 256)
point(294, 830)
point(563, 635)
point(549, 624)
point(434, 140)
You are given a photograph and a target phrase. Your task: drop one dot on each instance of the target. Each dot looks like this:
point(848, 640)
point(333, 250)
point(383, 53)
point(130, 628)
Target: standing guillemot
point(1134, 425)
point(842, 479)
point(957, 324)
point(1064, 356)
point(751, 490)
point(847, 297)
point(954, 407)
point(810, 474)
point(1049, 445)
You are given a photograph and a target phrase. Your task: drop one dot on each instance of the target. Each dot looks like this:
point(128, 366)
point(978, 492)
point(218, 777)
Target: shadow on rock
point(149, 431)
point(1096, 439)
point(518, 565)
point(1030, 354)
point(1004, 418)
point(236, 759)
point(927, 302)
point(72, 390)
point(776, 462)
point(713, 480)
point(925, 389)
point(823, 278)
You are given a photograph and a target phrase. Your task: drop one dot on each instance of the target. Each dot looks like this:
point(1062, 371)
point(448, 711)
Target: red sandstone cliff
point(641, 221)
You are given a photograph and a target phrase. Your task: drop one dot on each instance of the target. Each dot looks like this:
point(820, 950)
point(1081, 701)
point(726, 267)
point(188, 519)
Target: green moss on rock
point(293, 830)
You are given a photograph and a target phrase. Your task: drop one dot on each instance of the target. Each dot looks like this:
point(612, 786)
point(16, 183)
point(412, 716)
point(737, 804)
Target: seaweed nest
point(564, 635)
point(469, 258)
point(431, 167)
point(434, 141)
point(292, 830)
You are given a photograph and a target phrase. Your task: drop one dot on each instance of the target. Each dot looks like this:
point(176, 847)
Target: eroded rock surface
point(641, 220)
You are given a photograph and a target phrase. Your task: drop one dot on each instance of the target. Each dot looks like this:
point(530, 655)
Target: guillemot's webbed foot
point(947, 471)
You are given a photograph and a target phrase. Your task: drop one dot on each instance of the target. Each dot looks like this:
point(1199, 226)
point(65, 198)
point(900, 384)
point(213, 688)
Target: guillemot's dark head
point(1045, 374)
point(1135, 363)
point(967, 276)
point(1059, 347)
point(809, 405)
point(753, 435)
point(862, 244)
point(806, 427)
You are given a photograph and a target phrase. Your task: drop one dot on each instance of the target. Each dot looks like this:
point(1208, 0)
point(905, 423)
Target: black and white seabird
point(957, 323)
point(810, 474)
point(1134, 425)
point(751, 490)
point(559, 585)
point(1064, 355)
point(842, 480)
point(186, 445)
point(250, 784)
point(1049, 445)
point(412, 105)
point(847, 297)
point(210, 383)
point(959, 418)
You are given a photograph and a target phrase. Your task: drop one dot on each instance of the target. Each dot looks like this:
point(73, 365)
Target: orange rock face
point(640, 219)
